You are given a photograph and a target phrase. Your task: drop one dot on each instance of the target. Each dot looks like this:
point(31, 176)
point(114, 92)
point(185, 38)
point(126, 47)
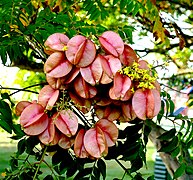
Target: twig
point(23, 89)
point(172, 88)
point(41, 160)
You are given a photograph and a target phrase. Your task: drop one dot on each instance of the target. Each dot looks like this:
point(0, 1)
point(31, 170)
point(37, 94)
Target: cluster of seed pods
point(88, 77)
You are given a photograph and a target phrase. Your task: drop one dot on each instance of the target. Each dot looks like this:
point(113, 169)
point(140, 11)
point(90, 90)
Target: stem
point(23, 89)
point(50, 168)
point(124, 168)
point(172, 88)
point(81, 116)
point(18, 90)
point(41, 160)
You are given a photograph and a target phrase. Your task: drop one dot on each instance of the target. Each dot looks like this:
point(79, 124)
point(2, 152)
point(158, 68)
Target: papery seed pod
point(50, 135)
point(57, 65)
point(72, 75)
point(110, 112)
point(56, 83)
point(128, 112)
point(83, 89)
point(62, 82)
point(65, 142)
point(112, 43)
point(146, 103)
point(110, 66)
point(143, 64)
point(110, 131)
point(48, 97)
point(95, 143)
point(34, 120)
point(121, 89)
point(92, 73)
point(102, 101)
point(79, 148)
point(55, 42)
point(80, 51)
point(21, 106)
point(66, 121)
point(157, 85)
point(128, 57)
point(84, 105)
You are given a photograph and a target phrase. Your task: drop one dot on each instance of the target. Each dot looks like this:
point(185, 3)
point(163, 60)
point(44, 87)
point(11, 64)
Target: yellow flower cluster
point(144, 77)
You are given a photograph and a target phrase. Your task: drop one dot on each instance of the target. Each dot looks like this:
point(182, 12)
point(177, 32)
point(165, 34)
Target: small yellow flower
point(65, 48)
point(3, 174)
point(145, 77)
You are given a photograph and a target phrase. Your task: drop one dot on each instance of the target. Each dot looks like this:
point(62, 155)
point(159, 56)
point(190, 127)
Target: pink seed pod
point(56, 42)
point(66, 121)
point(110, 131)
point(21, 106)
point(80, 51)
point(112, 43)
point(110, 112)
point(48, 97)
point(92, 73)
point(121, 89)
point(83, 89)
point(95, 142)
point(128, 112)
point(146, 103)
point(57, 65)
point(79, 148)
point(128, 57)
point(65, 142)
point(33, 119)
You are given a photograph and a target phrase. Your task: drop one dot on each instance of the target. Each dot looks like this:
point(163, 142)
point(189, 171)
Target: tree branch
point(171, 164)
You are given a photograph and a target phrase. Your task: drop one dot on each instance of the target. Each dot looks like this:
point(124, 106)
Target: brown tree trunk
point(171, 163)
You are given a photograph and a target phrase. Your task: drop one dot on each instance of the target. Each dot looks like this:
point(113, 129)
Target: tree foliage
point(24, 28)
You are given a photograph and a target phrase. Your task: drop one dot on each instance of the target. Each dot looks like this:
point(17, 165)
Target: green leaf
point(130, 7)
point(189, 170)
point(131, 152)
point(5, 111)
point(83, 173)
point(115, 2)
point(13, 163)
point(136, 9)
point(102, 167)
point(169, 146)
point(7, 127)
point(71, 170)
point(182, 125)
point(3, 55)
point(18, 131)
point(175, 152)
point(21, 147)
point(168, 134)
point(161, 113)
point(138, 176)
point(66, 163)
point(190, 143)
point(146, 132)
point(136, 164)
point(180, 171)
point(6, 96)
point(190, 134)
point(172, 106)
point(189, 124)
point(48, 177)
point(123, 3)
point(96, 173)
point(150, 177)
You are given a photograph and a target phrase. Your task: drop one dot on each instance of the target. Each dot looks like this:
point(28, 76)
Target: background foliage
point(167, 27)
